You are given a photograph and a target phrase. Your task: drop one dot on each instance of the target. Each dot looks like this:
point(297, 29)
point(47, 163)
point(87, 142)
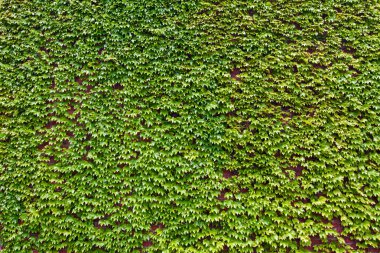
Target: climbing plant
point(189, 126)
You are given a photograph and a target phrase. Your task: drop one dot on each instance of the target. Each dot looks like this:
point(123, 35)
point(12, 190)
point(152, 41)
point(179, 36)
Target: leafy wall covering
point(189, 126)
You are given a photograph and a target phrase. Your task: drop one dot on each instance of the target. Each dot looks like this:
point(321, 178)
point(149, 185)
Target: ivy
point(189, 126)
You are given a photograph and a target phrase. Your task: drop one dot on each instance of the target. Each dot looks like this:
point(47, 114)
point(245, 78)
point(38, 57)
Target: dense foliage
point(189, 126)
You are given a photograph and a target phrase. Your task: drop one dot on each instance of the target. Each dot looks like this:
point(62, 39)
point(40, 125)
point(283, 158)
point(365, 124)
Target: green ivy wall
point(189, 126)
